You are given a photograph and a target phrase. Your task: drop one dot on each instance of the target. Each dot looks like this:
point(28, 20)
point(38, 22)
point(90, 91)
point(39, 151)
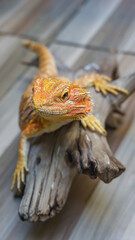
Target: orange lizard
point(51, 101)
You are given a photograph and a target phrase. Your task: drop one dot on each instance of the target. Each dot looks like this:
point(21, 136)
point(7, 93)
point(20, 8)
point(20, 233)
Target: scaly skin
point(51, 101)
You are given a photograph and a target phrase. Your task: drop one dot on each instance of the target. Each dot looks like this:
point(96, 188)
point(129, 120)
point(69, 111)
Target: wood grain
point(38, 20)
point(53, 157)
point(109, 211)
point(83, 190)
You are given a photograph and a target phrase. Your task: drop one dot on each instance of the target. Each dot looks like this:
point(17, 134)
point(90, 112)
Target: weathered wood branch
point(127, 82)
point(54, 157)
point(50, 175)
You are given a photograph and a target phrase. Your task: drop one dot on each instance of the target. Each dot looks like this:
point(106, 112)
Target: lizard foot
point(99, 81)
point(93, 124)
point(19, 175)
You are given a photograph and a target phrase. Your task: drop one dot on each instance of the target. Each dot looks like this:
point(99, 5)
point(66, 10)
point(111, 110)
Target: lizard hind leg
point(93, 124)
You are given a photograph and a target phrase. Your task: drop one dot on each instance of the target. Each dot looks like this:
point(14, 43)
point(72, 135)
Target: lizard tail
point(47, 66)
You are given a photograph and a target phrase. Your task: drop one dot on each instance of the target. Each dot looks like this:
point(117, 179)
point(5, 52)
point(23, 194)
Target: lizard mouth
point(79, 112)
point(74, 113)
point(66, 110)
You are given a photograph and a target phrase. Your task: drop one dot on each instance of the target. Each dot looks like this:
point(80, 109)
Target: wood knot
point(38, 160)
point(69, 159)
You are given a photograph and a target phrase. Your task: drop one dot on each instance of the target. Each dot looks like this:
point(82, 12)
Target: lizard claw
point(93, 124)
point(106, 78)
point(19, 176)
point(102, 86)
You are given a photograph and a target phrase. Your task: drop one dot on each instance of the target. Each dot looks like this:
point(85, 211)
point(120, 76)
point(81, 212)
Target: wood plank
point(8, 8)
point(110, 210)
point(39, 24)
point(32, 231)
point(115, 30)
point(13, 52)
point(24, 12)
point(39, 18)
point(51, 20)
point(60, 227)
point(90, 20)
point(126, 66)
point(119, 29)
point(9, 109)
point(64, 55)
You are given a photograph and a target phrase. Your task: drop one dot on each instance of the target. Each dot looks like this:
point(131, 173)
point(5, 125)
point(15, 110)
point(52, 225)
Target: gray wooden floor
point(94, 210)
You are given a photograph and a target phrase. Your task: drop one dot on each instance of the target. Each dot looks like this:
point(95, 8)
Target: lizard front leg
point(21, 167)
point(93, 124)
point(100, 84)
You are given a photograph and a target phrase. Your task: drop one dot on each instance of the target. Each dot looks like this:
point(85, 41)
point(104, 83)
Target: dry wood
point(53, 156)
point(92, 211)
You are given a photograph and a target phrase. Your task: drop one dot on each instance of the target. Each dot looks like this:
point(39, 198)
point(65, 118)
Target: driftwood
point(54, 157)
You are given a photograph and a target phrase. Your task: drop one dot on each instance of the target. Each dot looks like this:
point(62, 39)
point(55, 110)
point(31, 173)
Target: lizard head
point(59, 100)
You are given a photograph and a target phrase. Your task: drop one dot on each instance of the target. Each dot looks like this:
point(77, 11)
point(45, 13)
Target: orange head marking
point(58, 100)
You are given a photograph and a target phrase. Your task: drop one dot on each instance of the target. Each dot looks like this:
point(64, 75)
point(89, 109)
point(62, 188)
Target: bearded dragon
point(51, 101)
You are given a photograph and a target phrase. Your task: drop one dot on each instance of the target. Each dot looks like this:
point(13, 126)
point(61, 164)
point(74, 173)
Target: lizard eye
point(65, 96)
